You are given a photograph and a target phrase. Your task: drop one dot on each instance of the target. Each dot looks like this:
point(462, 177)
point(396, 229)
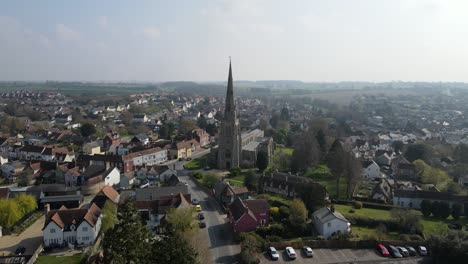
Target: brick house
point(248, 215)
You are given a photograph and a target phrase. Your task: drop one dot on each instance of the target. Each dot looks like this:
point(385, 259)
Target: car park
point(201, 216)
point(394, 252)
point(308, 251)
point(403, 251)
point(383, 250)
point(411, 250)
point(195, 201)
point(202, 224)
point(422, 251)
point(273, 253)
point(291, 253)
point(20, 250)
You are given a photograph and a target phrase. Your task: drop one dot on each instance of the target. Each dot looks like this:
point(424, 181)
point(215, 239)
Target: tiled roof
point(64, 217)
point(325, 215)
point(257, 205)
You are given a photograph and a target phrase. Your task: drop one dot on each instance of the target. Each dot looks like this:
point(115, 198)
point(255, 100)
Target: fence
point(35, 255)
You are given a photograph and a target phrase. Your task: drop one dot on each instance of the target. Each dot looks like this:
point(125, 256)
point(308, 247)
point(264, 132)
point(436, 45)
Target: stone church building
point(235, 148)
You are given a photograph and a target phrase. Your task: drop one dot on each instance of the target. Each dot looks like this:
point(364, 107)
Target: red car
point(383, 250)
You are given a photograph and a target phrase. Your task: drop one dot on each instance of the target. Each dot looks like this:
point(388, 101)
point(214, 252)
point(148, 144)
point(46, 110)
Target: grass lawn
point(367, 212)
point(365, 232)
point(330, 184)
point(285, 150)
point(75, 259)
point(195, 164)
point(276, 198)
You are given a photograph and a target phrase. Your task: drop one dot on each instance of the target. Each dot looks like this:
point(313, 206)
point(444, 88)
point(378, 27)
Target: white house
point(329, 222)
point(111, 176)
point(75, 226)
point(370, 170)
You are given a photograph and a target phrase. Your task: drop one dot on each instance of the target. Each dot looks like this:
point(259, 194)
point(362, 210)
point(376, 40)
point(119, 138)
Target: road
point(218, 230)
point(30, 238)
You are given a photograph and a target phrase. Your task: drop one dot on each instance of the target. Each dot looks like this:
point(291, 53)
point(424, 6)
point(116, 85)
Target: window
point(262, 222)
point(52, 230)
point(85, 229)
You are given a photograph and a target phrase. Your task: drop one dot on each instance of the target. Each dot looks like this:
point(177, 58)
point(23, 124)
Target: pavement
point(30, 238)
point(326, 255)
point(218, 231)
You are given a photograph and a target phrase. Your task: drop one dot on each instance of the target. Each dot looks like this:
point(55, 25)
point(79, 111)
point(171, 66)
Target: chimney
point(46, 209)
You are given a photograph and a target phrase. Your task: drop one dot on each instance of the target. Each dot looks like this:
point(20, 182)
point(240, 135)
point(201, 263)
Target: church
point(235, 147)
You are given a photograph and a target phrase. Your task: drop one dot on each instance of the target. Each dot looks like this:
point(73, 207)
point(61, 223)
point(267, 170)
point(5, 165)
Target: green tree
point(211, 129)
point(322, 141)
point(251, 180)
point(209, 180)
point(26, 203)
point(450, 247)
point(461, 153)
point(419, 151)
point(444, 210)
point(457, 211)
point(201, 122)
point(87, 130)
point(408, 220)
point(129, 240)
point(173, 249)
point(435, 209)
point(336, 161)
point(306, 152)
point(297, 212)
point(109, 219)
point(10, 213)
point(284, 114)
point(180, 219)
point(262, 161)
point(426, 207)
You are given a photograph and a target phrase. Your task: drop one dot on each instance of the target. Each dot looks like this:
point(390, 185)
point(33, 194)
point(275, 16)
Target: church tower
point(229, 148)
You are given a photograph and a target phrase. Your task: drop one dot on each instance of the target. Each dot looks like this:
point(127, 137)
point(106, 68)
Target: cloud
point(66, 33)
point(151, 33)
point(103, 22)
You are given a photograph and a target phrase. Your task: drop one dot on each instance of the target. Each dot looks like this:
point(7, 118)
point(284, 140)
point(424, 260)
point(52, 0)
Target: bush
point(274, 211)
point(284, 211)
point(352, 211)
point(197, 175)
point(358, 205)
point(405, 238)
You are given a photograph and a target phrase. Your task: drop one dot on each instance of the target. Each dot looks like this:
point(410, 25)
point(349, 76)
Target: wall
point(113, 178)
point(85, 237)
point(48, 236)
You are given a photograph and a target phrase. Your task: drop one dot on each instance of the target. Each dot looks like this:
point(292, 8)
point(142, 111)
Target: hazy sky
point(329, 40)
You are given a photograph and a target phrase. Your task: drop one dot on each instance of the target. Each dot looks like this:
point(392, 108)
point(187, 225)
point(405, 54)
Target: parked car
point(308, 251)
point(195, 201)
point(411, 250)
point(207, 168)
point(202, 224)
point(273, 253)
point(198, 208)
point(394, 252)
point(422, 251)
point(291, 253)
point(20, 250)
point(201, 216)
point(383, 250)
point(189, 159)
point(403, 251)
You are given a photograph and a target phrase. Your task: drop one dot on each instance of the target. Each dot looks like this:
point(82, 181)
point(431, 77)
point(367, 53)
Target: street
point(30, 238)
point(218, 230)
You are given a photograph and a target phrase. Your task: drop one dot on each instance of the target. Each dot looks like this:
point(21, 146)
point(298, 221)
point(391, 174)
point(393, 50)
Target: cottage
point(225, 194)
point(248, 215)
point(71, 226)
point(370, 170)
point(287, 184)
point(329, 222)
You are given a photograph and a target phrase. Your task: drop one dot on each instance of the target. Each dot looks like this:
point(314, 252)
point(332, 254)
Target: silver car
point(273, 253)
point(291, 253)
point(308, 251)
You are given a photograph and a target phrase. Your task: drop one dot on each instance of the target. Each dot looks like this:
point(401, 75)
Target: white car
point(422, 251)
point(291, 253)
point(273, 253)
point(308, 251)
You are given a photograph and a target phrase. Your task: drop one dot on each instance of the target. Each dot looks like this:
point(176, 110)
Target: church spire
point(230, 92)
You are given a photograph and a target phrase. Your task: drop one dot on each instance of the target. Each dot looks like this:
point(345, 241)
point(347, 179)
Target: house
point(248, 215)
point(384, 160)
point(140, 140)
point(370, 170)
point(140, 118)
point(201, 136)
point(127, 179)
point(382, 191)
point(463, 181)
point(413, 198)
point(74, 226)
point(329, 222)
point(111, 176)
point(286, 184)
point(107, 193)
point(401, 167)
point(225, 194)
point(111, 138)
point(73, 177)
point(63, 118)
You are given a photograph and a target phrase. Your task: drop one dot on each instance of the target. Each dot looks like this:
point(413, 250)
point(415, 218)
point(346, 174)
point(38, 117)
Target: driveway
point(325, 255)
point(30, 238)
point(218, 230)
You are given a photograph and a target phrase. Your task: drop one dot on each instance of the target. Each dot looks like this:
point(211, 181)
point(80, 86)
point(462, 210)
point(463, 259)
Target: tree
point(322, 141)
point(180, 219)
point(297, 212)
point(201, 122)
point(457, 211)
point(209, 180)
point(10, 213)
point(129, 240)
point(284, 114)
point(450, 247)
point(186, 125)
point(26, 203)
point(352, 173)
point(262, 161)
point(426, 207)
point(435, 209)
point(11, 109)
point(461, 153)
point(211, 129)
point(251, 180)
point(313, 196)
point(419, 151)
point(444, 210)
point(408, 220)
point(172, 249)
point(306, 152)
point(336, 161)
point(398, 146)
point(87, 130)
point(109, 219)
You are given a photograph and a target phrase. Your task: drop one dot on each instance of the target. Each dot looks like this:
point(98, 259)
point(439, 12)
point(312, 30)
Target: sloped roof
point(257, 205)
point(325, 215)
point(64, 217)
point(237, 209)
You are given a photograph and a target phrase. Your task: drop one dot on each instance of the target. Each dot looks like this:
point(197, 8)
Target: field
point(75, 259)
point(196, 164)
point(330, 184)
